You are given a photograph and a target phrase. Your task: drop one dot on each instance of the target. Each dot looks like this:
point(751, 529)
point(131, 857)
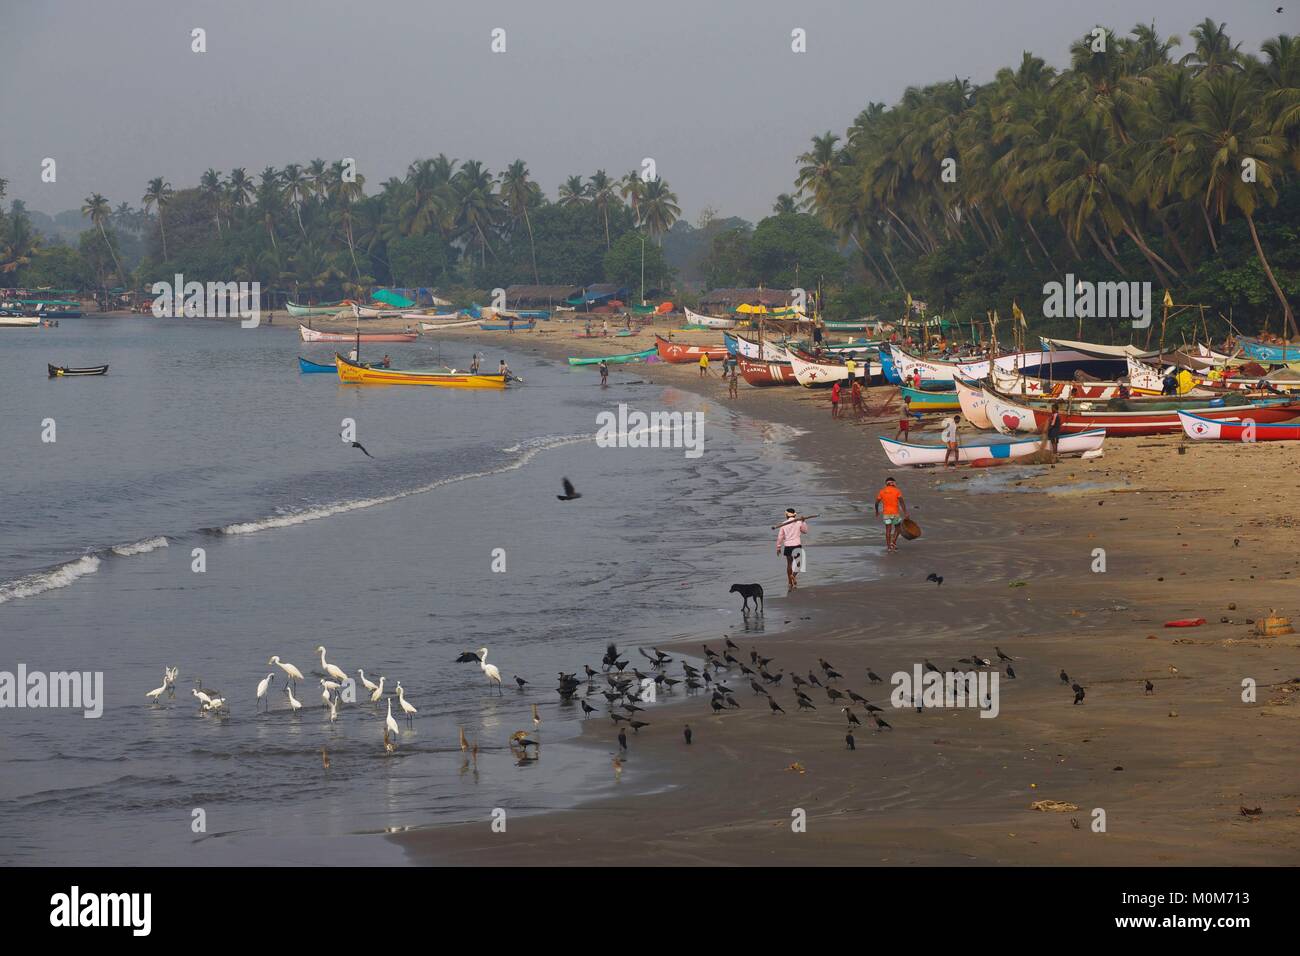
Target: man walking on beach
point(604, 373)
point(733, 382)
point(855, 399)
point(789, 541)
point(949, 436)
point(704, 364)
point(895, 510)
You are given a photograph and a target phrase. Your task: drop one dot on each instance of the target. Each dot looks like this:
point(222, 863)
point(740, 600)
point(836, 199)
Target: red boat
point(1153, 422)
point(681, 354)
point(766, 373)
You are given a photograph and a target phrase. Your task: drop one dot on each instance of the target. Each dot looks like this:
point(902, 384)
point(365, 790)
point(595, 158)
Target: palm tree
point(97, 209)
point(517, 193)
point(158, 193)
point(478, 208)
point(240, 188)
point(601, 192)
point(785, 205)
point(213, 191)
point(297, 190)
point(632, 187)
point(270, 198)
point(659, 208)
point(573, 192)
point(1215, 52)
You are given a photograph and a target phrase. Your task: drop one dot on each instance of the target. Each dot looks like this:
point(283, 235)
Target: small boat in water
point(306, 366)
point(615, 359)
point(325, 308)
point(59, 371)
point(905, 453)
point(312, 335)
point(353, 373)
point(12, 319)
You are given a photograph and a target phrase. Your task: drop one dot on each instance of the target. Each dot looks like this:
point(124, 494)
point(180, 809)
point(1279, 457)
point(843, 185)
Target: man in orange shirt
point(895, 510)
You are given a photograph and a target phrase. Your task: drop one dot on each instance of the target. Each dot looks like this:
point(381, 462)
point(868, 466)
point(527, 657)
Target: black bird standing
point(1001, 656)
point(1065, 678)
point(357, 444)
point(622, 740)
point(881, 724)
point(520, 681)
point(853, 718)
point(1011, 672)
point(1078, 696)
point(717, 707)
point(587, 708)
point(569, 493)
point(1150, 687)
point(848, 739)
point(936, 578)
point(873, 676)
point(776, 708)
point(686, 733)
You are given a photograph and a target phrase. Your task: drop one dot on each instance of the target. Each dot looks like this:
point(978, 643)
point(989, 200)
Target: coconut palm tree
point(97, 209)
point(240, 188)
point(573, 192)
point(270, 200)
point(785, 204)
point(1215, 53)
point(659, 208)
point(631, 188)
point(517, 192)
point(158, 194)
point(478, 208)
point(600, 190)
point(213, 191)
point(297, 188)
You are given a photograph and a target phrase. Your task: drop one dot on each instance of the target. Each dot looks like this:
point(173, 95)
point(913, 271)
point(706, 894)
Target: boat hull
point(709, 321)
point(303, 311)
point(506, 326)
point(922, 400)
point(351, 373)
point(314, 367)
point(615, 359)
point(58, 371)
point(766, 374)
point(1007, 416)
point(825, 374)
point(1199, 428)
point(681, 354)
point(1267, 352)
point(903, 453)
point(312, 335)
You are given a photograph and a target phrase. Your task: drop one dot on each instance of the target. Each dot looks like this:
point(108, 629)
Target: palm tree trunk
point(162, 227)
point(297, 210)
point(1268, 271)
point(1209, 228)
point(531, 246)
point(1106, 253)
point(116, 265)
point(1030, 223)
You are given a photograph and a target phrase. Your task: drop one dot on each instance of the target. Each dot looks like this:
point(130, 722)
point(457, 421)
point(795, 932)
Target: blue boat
point(1267, 352)
point(305, 366)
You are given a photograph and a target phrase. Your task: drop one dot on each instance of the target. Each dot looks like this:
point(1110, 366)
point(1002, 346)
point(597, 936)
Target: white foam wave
point(43, 581)
point(139, 547)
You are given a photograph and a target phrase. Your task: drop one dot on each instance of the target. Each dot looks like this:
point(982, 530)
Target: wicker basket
point(1274, 626)
point(910, 529)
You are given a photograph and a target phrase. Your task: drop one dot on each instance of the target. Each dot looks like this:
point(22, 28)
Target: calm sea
point(205, 436)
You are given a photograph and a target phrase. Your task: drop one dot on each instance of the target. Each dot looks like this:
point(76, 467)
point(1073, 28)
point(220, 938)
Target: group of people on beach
point(890, 507)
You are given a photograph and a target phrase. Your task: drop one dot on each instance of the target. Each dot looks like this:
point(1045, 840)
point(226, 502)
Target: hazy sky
point(708, 88)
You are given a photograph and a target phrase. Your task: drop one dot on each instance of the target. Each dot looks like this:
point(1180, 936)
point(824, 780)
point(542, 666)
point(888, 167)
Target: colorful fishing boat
point(681, 354)
point(375, 312)
point(930, 400)
point(973, 402)
point(1200, 428)
point(59, 371)
point(859, 326)
point(1009, 416)
point(1268, 351)
point(759, 351)
point(815, 374)
point(616, 359)
point(708, 321)
point(905, 453)
point(764, 374)
point(353, 373)
point(314, 335)
point(511, 326)
point(325, 308)
point(306, 366)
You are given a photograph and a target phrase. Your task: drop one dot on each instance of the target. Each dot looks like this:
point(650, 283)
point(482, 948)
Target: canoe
point(709, 321)
point(325, 308)
point(312, 335)
point(905, 453)
point(1199, 428)
point(615, 359)
point(306, 366)
point(812, 374)
point(764, 374)
point(438, 326)
point(973, 402)
point(12, 321)
point(1267, 352)
point(847, 326)
point(1008, 416)
point(507, 326)
point(350, 373)
point(681, 354)
point(58, 371)
point(374, 312)
point(929, 400)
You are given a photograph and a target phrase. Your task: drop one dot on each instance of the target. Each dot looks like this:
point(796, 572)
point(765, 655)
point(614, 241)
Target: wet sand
point(1184, 535)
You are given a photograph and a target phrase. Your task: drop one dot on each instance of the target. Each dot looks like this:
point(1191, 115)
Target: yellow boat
point(351, 373)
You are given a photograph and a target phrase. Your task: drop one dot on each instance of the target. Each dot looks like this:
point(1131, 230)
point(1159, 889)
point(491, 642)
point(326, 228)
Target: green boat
point(615, 359)
point(931, 400)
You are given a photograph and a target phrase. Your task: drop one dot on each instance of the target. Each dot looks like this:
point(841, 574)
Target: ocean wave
point(139, 547)
point(42, 581)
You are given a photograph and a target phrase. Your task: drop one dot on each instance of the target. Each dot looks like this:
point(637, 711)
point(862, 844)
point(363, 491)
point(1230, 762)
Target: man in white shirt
point(949, 436)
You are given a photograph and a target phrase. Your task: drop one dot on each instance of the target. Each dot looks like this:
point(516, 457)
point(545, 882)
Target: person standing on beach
point(704, 364)
point(895, 510)
point(855, 399)
point(904, 422)
point(1053, 427)
point(949, 436)
point(733, 382)
point(604, 373)
point(789, 541)
point(835, 400)
point(851, 367)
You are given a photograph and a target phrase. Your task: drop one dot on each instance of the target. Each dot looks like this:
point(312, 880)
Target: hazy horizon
point(712, 93)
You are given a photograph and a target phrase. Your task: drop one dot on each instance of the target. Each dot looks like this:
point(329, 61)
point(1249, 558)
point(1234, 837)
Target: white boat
point(973, 401)
point(904, 453)
point(19, 321)
point(712, 321)
point(761, 351)
point(452, 323)
point(366, 312)
point(824, 374)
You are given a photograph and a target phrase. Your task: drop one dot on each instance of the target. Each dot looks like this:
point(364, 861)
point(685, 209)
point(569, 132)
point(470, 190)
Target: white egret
point(378, 692)
point(262, 685)
point(367, 684)
point(289, 670)
point(294, 702)
point(389, 723)
point(537, 719)
point(329, 685)
point(157, 692)
point(200, 696)
point(333, 670)
point(170, 674)
point(325, 697)
point(407, 709)
point(215, 704)
point(493, 675)
point(334, 709)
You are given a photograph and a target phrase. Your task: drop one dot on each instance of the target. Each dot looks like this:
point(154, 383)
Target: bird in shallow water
point(569, 493)
point(520, 681)
point(686, 734)
point(587, 709)
point(622, 740)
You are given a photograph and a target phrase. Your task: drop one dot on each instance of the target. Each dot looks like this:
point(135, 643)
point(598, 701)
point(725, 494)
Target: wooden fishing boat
point(681, 354)
point(1056, 365)
point(764, 374)
point(758, 351)
point(930, 400)
point(905, 453)
point(306, 366)
point(375, 312)
point(507, 326)
point(58, 371)
point(325, 308)
point(453, 323)
point(313, 335)
point(709, 321)
point(13, 320)
point(849, 326)
point(1199, 428)
point(616, 359)
point(973, 402)
point(352, 373)
point(815, 374)
point(1008, 416)
point(1268, 352)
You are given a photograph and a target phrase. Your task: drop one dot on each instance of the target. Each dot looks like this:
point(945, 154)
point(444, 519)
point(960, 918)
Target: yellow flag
point(909, 300)
point(1169, 300)
point(1016, 313)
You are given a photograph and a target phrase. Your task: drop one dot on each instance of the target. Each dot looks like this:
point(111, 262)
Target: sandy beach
point(1171, 770)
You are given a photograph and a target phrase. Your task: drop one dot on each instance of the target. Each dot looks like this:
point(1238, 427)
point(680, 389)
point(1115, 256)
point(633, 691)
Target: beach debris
point(1232, 606)
point(1053, 806)
point(1173, 713)
point(1116, 768)
point(1251, 811)
point(797, 767)
point(1074, 822)
point(1186, 622)
point(1274, 625)
point(1148, 687)
point(1018, 584)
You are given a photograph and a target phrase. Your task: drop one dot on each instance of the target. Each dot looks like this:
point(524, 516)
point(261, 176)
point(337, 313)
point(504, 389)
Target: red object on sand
point(1188, 622)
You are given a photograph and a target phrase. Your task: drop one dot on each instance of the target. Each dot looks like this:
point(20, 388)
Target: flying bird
point(357, 444)
point(569, 493)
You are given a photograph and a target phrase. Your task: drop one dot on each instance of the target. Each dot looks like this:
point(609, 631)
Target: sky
point(710, 90)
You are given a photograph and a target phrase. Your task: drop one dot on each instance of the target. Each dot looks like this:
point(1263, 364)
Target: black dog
point(748, 591)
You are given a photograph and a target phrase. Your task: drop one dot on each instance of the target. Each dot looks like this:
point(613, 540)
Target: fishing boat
point(765, 374)
point(1157, 418)
point(1268, 351)
point(616, 359)
point(507, 326)
point(760, 351)
point(1200, 428)
point(1054, 364)
point(815, 374)
point(452, 324)
point(681, 354)
point(353, 373)
point(859, 326)
point(313, 335)
point(375, 312)
point(973, 402)
point(930, 399)
point(325, 308)
point(12, 320)
point(58, 371)
point(708, 321)
point(306, 366)
point(905, 453)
